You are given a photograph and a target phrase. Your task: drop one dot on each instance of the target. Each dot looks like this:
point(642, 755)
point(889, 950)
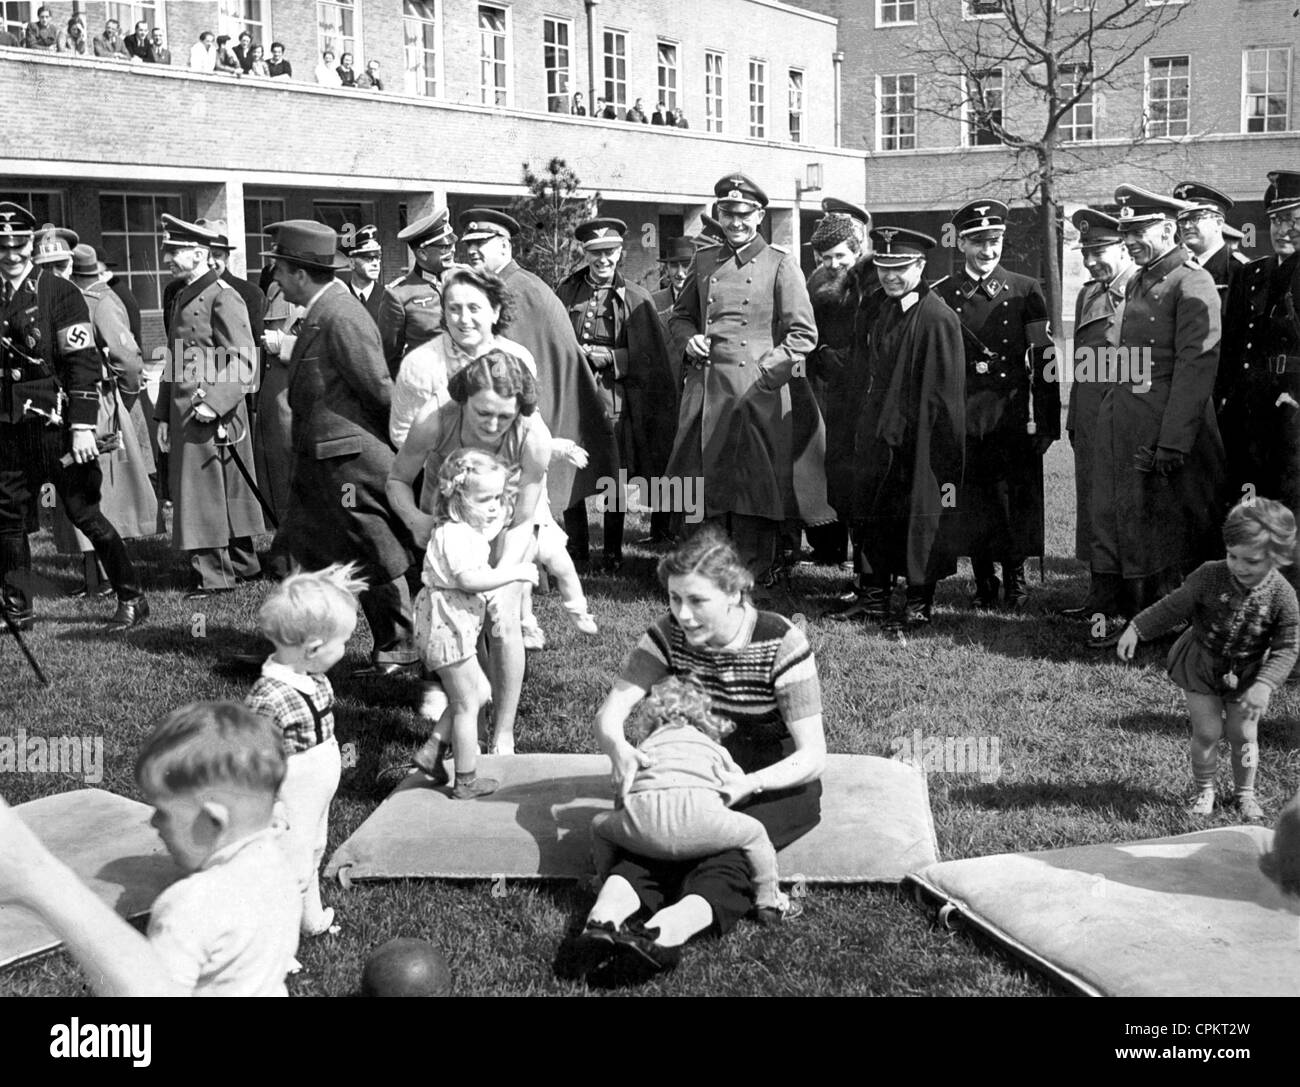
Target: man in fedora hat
point(366, 255)
point(742, 327)
point(1158, 469)
point(1258, 387)
point(1098, 310)
point(410, 311)
point(845, 292)
point(49, 406)
point(1013, 408)
point(567, 397)
point(677, 262)
point(202, 416)
point(340, 392)
point(618, 329)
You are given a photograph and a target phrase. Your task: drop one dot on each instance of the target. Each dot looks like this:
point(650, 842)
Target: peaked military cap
point(177, 232)
point(979, 216)
point(600, 233)
point(16, 221)
point(1140, 207)
point(479, 223)
point(738, 189)
point(1283, 192)
point(896, 246)
point(432, 228)
point(1096, 228)
point(366, 240)
point(219, 228)
point(1202, 198)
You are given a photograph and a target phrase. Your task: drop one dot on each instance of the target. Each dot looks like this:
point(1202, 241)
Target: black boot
point(1015, 587)
point(986, 589)
point(871, 604)
point(916, 608)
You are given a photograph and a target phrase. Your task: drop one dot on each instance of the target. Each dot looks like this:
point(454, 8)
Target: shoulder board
point(940, 282)
point(396, 282)
point(779, 248)
point(708, 244)
point(1240, 257)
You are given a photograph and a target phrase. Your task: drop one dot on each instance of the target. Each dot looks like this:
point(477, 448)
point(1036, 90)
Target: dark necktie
point(6, 293)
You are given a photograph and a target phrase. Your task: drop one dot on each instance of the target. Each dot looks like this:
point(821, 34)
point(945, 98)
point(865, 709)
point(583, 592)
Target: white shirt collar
point(299, 681)
point(1202, 259)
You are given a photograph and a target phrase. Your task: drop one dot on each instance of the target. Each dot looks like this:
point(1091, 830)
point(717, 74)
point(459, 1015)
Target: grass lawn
point(1091, 751)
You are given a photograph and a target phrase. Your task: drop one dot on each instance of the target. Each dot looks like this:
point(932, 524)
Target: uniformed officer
point(49, 402)
point(743, 325)
point(1258, 388)
point(1158, 469)
point(366, 256)
point(845, 291)
point(1200, 229)
point(1013, 405)
point(410, 312)
point(1098, 310)
point(619, 332)
point(203, 418)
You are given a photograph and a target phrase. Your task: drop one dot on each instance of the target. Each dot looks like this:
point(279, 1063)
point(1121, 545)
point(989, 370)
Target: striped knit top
point(765, 678)
point(1232, 621)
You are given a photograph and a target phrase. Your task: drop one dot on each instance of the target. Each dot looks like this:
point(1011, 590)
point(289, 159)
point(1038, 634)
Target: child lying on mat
point(230, 927)
point(675, 809)
point(309, 618)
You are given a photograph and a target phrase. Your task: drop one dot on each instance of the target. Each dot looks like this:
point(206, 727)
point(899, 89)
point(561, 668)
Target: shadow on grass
point(1123, 800)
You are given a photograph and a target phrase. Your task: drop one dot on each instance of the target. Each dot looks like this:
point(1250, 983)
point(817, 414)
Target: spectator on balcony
point(662, 115)
point(203, 53)
point(636, 114)
point(681, 118)
point(109, 45)
point(227, 61)
point(579, 110)
point(277, 65)
point(369, 80)
point(327, 73)
point(607, 110)
point(347, 74)
point(137, 44)
point(257, 63)
point(158, 51)
point(74, 40)
point(244, 51)
point(42, 33)
point(9, 40)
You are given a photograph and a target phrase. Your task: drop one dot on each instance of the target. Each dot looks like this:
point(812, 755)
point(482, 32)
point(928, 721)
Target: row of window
point(339, 30)
point(903, 12)
point(1265, 83)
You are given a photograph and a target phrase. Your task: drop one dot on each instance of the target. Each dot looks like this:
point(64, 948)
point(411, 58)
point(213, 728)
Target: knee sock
point(1205, 768)
point(1245, 761)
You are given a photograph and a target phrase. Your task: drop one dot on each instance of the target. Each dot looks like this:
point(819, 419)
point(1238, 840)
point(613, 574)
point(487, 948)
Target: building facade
point(472, 91)
point(1212, 98)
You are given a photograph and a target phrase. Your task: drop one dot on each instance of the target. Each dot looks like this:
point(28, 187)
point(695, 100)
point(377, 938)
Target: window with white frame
point(236, 16)
point(557, 35)
point(16, 14)
point(494, 48)
point(1168, 94)
point(794, 84)
point(127, 15)
point(666, 65)
point(713, 91)
point(259, 212)
point(133, 235)
point(615, 54)
point(338, 29)
point(1266, 89)
point(895, 12)
point(757, 99)
point(46, 205)
point(1078, 124)
point(422, 32)
point(983, 108)
point(896, 112)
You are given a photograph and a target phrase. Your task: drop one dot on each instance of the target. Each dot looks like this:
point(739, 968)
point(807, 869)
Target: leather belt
point(1283, 364)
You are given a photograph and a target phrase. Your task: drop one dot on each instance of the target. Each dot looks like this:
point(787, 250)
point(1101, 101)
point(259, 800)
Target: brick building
point(1215, 96)
point(472, 91)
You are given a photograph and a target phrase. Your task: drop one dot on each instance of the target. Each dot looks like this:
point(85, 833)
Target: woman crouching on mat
point(759, 671)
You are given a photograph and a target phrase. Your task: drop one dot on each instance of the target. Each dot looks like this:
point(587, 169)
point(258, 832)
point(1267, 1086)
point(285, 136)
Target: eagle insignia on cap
point(982, 211)
point(888, 233)
point(1182, 190)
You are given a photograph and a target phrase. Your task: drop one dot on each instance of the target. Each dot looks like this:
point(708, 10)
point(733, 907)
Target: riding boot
point(1014, 586)
point(986, 583)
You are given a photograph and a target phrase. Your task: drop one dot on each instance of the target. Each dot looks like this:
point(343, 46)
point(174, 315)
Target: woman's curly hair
point(676, 701)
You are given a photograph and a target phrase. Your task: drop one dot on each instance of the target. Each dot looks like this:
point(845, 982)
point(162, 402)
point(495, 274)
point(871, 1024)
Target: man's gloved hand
point(1168, 461)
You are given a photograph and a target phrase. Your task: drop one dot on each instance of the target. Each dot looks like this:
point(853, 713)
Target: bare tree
point(1066, 54)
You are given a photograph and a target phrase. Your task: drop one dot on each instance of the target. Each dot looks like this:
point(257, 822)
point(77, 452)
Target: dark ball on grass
point(406, 967)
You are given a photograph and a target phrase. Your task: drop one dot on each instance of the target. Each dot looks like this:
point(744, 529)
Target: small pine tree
point(547, 216)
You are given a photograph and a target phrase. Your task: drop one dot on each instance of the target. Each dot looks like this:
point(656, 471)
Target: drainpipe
point(591, 57)
point(838, 58)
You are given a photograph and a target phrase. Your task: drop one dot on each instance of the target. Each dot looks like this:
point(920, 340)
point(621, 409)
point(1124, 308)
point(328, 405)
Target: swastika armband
point(76, 337)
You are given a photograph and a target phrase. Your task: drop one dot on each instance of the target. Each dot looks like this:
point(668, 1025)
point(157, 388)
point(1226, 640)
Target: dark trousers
point(577, 528)
point(387, 608)
point(828, 542)
point(757, 540)
point(221, 567)
point(29, 457)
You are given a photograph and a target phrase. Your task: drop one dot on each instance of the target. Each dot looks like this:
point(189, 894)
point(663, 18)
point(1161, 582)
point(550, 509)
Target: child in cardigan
point(230, 926)
point(309, 618)
point(471, 508)
point(1240, 647)
point(675, 809)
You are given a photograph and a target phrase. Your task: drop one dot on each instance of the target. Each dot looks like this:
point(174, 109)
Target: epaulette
point(1240, 257)
point(780, 249)
point(397, 282)
point(941, 279)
